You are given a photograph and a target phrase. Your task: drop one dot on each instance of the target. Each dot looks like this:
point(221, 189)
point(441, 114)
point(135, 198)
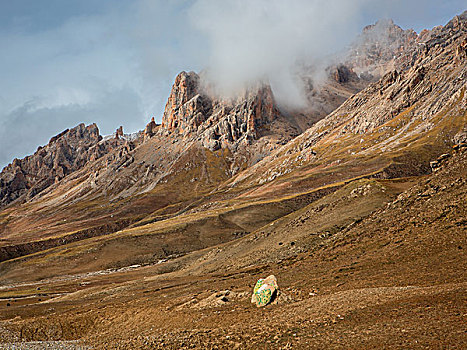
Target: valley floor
point(395, 278)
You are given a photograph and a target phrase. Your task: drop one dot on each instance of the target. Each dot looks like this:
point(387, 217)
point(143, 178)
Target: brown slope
point(100, 199)
point(395, 279)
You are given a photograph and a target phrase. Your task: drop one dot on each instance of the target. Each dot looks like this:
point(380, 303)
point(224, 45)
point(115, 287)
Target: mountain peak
point(218, 122)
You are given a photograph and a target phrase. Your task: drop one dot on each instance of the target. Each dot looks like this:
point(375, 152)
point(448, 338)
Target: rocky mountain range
point(251, 124)
point(227, 188)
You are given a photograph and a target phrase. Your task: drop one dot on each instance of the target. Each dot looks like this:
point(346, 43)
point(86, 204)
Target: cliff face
point(217, 123)
point(193, 111)
point(253, 121)
point(65, 153)
point(186, 107)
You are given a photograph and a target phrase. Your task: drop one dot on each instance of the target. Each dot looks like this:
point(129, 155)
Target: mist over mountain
point(119, 68)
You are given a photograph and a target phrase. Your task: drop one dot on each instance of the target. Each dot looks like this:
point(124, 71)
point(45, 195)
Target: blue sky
point(112, 62)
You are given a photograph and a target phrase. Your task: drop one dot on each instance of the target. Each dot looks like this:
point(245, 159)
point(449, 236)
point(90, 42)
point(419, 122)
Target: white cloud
point(265, 40)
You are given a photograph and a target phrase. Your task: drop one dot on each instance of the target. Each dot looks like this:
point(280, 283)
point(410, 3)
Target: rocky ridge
point(420, 106)
point(251, 125)
point(252, 122)
point(384, 46)
point(65, 153)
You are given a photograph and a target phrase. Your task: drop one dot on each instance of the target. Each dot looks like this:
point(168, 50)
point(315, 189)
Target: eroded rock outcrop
point(66, 152)
point(217, 122)
point(343, 74)
point(150, 128)
point(119, 132)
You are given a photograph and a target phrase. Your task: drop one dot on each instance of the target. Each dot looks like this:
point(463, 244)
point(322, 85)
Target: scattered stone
point(460, 146)
point(217, 299)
